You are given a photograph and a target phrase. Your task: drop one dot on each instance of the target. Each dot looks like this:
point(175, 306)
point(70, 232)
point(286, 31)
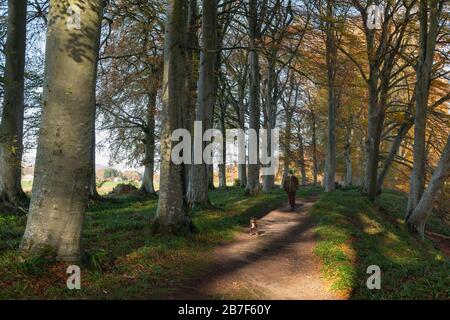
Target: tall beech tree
point(192, 64)
point(93, 192)
point(197, 193)
point(11, 128)
point(253, 186)
point(313, 128)
point(383, 50)
point(429, 14)
point(172, 215)
point(235, 84)
point(419, 216)
point(130, 81)
point(58, 202)
point(279, 33)
point(221, 109)
point(331, 61)
point(147, 185)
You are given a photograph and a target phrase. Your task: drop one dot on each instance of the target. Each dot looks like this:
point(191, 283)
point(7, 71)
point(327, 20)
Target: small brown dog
point(253, 227)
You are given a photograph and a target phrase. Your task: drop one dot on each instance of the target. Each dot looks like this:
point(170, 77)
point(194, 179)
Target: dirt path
point(277, 264)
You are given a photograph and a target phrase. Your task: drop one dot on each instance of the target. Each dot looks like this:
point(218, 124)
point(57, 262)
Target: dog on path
point(253, 227)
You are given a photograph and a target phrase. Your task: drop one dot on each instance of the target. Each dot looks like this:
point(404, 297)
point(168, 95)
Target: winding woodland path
point(277, 264)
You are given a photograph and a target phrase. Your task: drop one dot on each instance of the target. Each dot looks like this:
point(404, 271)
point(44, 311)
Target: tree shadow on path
point(276, 264)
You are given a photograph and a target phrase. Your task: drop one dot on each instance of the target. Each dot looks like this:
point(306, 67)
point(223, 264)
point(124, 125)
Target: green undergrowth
point(123, 260)
point(354, 234)
point(394, 203)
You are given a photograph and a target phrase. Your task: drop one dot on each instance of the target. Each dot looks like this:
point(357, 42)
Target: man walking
point(290, 185)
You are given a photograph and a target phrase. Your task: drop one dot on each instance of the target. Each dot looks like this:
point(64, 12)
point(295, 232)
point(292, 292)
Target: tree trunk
point(348, 159)
point(271, 114)
point(373, 136)
point(363, 161)
point(171, 215)
point(63, 161)
point(427, 45)
point(242, 174)
point(402, 131)
point(242, 167)
point(253, 186)
point(314, 148)
point(222, 176)
point(301, 161)
point(223, 166)
point(210, 169)
point(287, 142)
point(285, 172)
point(269, 179)
point(192, 61)
point(149, 160)
point(11, 128)
point(423, 210)
point(93, 193)
point(331, 56)
point(199, 181)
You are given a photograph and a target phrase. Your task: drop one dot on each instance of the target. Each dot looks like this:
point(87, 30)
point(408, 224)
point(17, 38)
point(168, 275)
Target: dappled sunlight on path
point(277, 264)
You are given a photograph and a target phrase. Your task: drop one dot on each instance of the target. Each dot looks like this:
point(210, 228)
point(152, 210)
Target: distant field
point(106, 188)
point(27, 185)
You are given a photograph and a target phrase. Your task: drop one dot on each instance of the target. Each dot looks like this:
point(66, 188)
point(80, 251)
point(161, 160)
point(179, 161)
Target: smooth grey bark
point(418, 218)
point(192, 63)
point(242, 167)
point(301, 160)
point(171, 214)
point(222, 176)
point(222, 166)
point(429, 13)
point(287, 142)
point(362, 162)
point(241, 110)
point(11, 128)
point(331, 58)
point(348, 158)
point(314, 146)
point(197, 193)
point(210, 169)
point(253, 186)
point(223, 27)
point(93, 193)
point(270, 114)
point(63, 160)
point(242, 174)
point(149, 160)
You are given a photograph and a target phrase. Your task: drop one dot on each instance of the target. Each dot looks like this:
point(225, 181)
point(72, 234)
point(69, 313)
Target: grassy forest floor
point(124, 261)
point(355, 234)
